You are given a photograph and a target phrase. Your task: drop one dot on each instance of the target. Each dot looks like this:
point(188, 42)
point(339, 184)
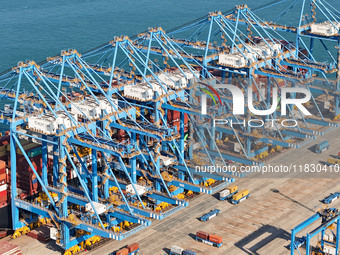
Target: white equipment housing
point(174, 81)
point(235, 59)
point(140, 189)
point(325, 28)
point(143, 91)
point(49, 124)
point(166, 161)
point(90, 109)
point(265, 49)
point(97, 206)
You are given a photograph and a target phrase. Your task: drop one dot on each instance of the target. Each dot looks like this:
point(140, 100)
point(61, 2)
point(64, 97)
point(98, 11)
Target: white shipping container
point(330, 237)
point(53, 233)
point(327, 105)
point(73, 174)
point(237, 147)
point(176, 249)
point(224, 193)
point(329, 250)
point(3, 187)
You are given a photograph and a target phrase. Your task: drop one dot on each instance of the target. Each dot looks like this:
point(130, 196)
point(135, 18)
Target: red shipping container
point(215, 238)
point(173, 115)
point(133, 247)
point(3, 196)
point(202, 235)
point(123, 251)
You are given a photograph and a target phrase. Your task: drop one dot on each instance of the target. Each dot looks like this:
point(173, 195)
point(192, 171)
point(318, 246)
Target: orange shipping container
point(2, 164)
point(133, 247)
point(241, 194)
point(232, 188)
point(3, 177)
point(215, 238)
point(123, 251)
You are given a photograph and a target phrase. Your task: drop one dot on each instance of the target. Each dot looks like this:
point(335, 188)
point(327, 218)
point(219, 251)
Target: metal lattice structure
point(113, 156)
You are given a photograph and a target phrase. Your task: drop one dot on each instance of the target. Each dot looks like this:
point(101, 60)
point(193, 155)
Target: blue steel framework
point(99, 75)
point(329, 218)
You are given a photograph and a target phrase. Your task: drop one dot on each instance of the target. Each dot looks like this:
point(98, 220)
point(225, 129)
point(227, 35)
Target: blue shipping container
point(188, 252)
point(322, 147)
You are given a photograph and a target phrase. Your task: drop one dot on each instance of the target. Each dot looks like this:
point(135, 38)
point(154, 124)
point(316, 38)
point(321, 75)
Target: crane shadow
point(274, 234)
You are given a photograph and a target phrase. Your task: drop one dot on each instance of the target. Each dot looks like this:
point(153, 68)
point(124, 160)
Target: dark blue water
point(38, 29)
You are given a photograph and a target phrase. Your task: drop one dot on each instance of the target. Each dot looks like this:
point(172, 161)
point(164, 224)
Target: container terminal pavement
point(103, 145)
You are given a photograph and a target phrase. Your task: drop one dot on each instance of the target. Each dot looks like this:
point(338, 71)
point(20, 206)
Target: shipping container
point(215, 238)
point(133, 247)
point(123, 251)
point(227, 193)
point(333, 161)
point(176, 250)
point(2, 165)
point(322, 147)
point(188, 252)
point(240, 196)
point(204, 237)
point(232, 188)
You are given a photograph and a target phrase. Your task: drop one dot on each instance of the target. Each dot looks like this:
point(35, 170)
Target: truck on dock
point(210, 239)
point(209, 215)
point(333, 161)
point(321, 147)
point(228, 193)
point(329, 199)
point(240, 196)
point(176, 250)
